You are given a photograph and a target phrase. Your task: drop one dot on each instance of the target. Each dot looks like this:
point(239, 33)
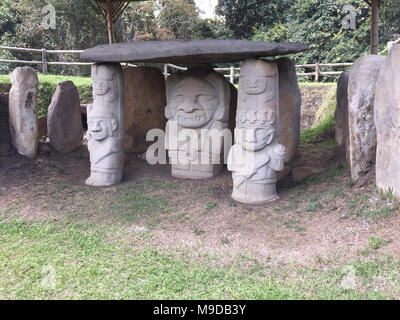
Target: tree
point(374, 4)
point(319, 24)
point(243, 17)
point(181, 17)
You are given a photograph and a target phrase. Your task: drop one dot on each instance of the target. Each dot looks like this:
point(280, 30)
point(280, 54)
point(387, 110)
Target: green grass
point(88, 263)
point(316, 84)
point(47, 87)
point(324, 120)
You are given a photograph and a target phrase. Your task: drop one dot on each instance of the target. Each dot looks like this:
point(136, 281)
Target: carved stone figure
point(23, 111)
point(106, 130)
point(198, 113)
point(257, 155)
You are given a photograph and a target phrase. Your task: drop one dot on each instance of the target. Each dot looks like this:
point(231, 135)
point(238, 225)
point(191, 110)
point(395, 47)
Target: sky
point(208, 7)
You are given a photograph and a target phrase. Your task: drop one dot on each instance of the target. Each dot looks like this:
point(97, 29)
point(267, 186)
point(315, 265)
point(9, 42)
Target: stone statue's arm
point(277, 162)
point(109, 147)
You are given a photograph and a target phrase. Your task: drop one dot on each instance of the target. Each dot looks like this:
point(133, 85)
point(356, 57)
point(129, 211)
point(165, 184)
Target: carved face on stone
point(254, 85)
point(100, 87)
point(195, 102)
point(100, 128)
point(254, 139)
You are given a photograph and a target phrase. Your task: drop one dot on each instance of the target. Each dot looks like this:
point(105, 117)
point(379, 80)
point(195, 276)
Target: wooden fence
point(231, 72)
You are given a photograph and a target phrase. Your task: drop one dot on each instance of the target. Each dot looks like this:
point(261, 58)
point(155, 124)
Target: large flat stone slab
point(189, 52)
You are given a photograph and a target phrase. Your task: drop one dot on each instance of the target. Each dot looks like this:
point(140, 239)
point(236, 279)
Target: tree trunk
point(110, 22)
point(375, 26)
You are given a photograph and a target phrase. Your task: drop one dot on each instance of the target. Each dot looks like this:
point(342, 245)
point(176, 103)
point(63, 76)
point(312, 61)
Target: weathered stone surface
point(5, 139)
point(387, 121)
point(256, 155)
point(342, 115)
point(197, 108)
point(106, 126)
point(145, 101)
point(23, 111)
point(362, 131)
point(289, 108)
point(64, 120)
point(189, 52)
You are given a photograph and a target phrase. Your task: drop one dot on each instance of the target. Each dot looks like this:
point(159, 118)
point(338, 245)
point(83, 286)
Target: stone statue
point(256, 155)
point(105, 118)
point(198, 112)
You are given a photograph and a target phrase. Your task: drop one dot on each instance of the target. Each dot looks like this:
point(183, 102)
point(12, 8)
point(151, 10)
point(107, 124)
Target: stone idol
point(256, 155)
point(198, 112)
point(23, 111)
point(106, 130)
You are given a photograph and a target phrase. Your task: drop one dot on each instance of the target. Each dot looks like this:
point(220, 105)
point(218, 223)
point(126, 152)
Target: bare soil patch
point(318, 219)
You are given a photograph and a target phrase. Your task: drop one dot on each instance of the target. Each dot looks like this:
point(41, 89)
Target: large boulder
point(362, 131)
point(23, 111)
point(387, 121)
point(64, 120)
point(289, 108)
point(5, 139)
point(145, 101)
point(342, 115)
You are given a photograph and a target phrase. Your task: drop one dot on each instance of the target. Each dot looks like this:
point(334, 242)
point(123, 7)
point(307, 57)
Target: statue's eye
point(177, 99)
point(206, 98)
point(261, 133)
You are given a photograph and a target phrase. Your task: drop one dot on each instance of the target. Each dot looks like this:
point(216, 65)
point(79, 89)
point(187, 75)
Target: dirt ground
point(320, 218)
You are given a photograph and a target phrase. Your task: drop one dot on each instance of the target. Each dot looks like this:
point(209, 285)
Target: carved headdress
point(258, 94)
point(108, 95)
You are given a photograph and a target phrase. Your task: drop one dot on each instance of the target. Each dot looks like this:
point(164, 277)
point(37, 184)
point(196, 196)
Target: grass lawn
point(156, 237)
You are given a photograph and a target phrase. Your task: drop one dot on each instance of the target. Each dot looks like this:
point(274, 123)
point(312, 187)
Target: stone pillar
point(106, 128)
point(342, 115)
point(198, 113)
point(362, 131)
point(257, 155)
point(289, 108)
point(145, 101)
point(64, 119)
point(387, 121)
point(23, 111)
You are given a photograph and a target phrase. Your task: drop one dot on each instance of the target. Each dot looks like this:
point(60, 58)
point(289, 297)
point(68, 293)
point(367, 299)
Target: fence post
point(232, 75)
point(44, 61)
point(317, 72)
point(165, 71)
